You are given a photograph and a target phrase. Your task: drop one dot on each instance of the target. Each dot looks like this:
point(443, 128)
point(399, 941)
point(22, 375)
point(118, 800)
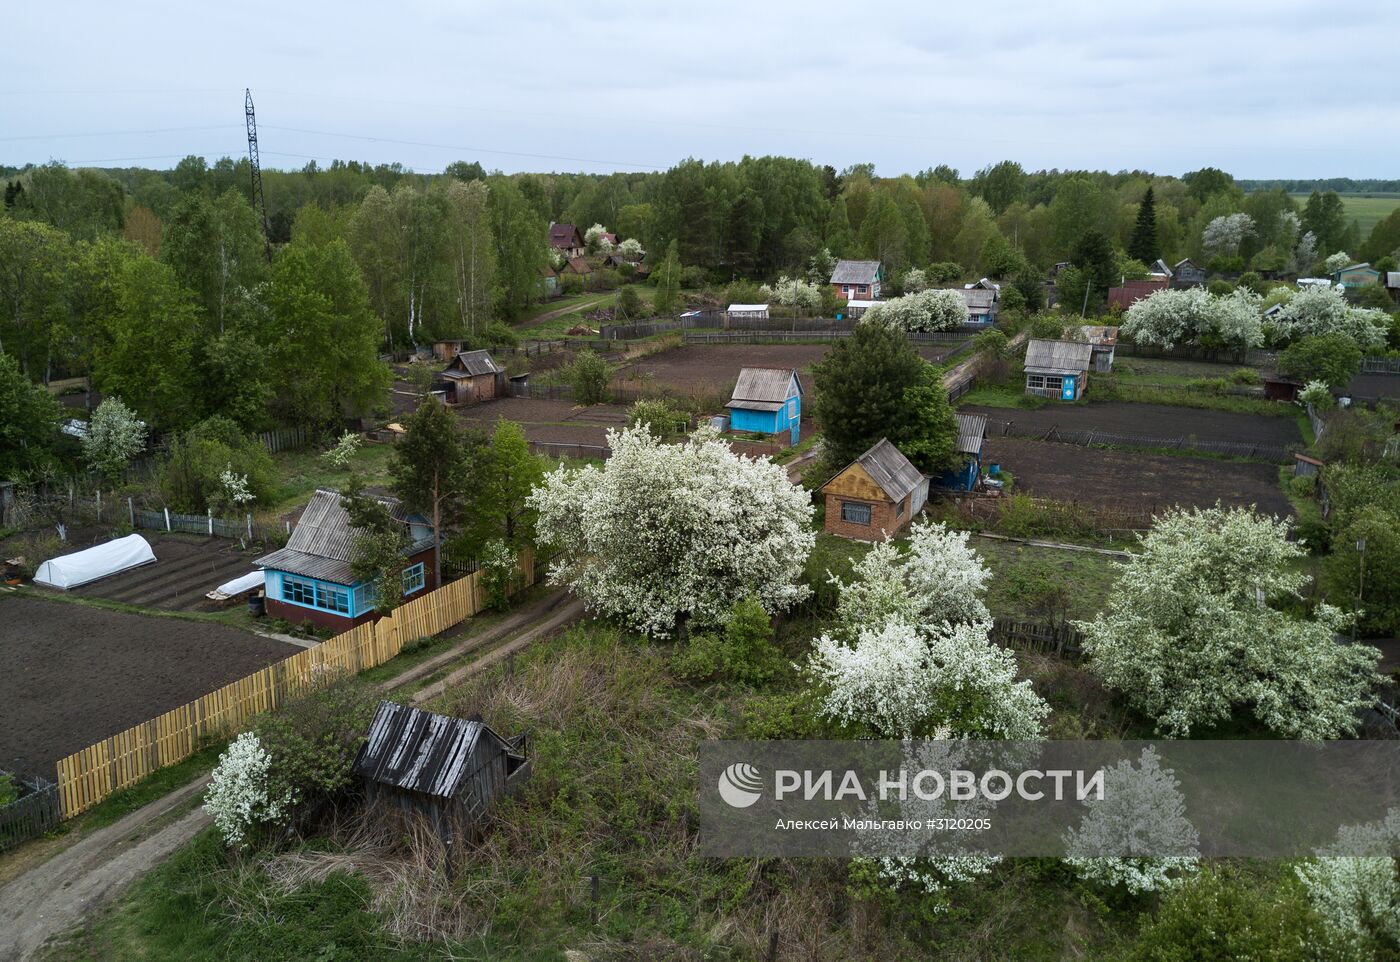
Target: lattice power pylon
point(259, 204)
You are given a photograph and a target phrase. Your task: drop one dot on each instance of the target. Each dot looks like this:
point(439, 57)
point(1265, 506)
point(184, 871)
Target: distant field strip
point(1366, 209)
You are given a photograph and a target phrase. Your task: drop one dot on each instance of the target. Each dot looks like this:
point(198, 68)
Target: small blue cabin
point(767, 400)
point(1058, 370)
point(972, 431)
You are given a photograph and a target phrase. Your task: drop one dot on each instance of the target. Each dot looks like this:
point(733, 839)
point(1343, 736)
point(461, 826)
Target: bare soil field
point(185, 569)
point(545, 420)
point(1122, 479)
point(1375, 387)
point(713, 368)
point(75, 674)
point(1146, 420)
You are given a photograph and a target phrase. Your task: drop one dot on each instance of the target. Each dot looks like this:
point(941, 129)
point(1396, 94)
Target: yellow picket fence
point(88, 776)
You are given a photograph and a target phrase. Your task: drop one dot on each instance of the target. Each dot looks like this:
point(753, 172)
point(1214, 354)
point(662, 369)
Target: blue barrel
point(993, 469)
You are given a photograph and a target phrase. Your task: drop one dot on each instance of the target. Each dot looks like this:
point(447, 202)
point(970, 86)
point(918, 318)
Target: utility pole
point(259, 203)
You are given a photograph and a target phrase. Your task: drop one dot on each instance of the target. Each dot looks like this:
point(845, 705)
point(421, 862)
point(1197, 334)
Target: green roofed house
point(1357, 276)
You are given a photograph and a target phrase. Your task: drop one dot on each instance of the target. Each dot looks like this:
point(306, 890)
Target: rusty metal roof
point(856, 272)
point(421, 751)
point(564, 235)
point(764, 388)
point(322, 542)
point(972, 428)
point(890, 469)
point(1058, 357)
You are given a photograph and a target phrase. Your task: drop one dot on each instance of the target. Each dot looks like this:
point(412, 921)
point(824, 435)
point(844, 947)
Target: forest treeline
point(159, 284)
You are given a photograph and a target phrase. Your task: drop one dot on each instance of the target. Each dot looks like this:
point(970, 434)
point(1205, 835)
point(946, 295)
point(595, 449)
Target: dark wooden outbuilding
point(451, 771)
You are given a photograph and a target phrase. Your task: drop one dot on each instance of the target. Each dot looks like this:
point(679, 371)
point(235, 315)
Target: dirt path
point(55, 896)
point(960, 370)
point(560, 312)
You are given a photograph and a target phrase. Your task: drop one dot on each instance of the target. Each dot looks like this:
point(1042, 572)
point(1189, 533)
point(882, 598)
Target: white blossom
point(343, 451)
point(1177, 316)
point(239, 797)
point(114, 436)
point(1324, 310)
point(594, 238)
point(1357, 896)
point(631, 249)
point(915, 280)
point(1336, 262)
point(1224, 234)
point(1190, 633)
point(931, 310)
point(793, 292)
point(664, 531)
point(1305, 253)
point(1142, 813)
point(235, 486)
point(1317, 394)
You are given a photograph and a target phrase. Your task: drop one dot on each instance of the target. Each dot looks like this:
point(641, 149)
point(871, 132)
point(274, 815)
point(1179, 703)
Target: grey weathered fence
point(1380, 365)
point(945, 338)
point(1059, 640)
point(30, 815)
point(284, 439)
point(1253, 450)
point(566, 449)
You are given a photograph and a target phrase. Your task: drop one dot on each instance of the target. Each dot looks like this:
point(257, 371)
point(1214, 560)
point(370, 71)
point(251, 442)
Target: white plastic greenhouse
point(99, 561)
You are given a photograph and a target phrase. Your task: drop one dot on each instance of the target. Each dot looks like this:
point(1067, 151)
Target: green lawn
point(1366, 209)
point(1032, 584)
point(301, 472)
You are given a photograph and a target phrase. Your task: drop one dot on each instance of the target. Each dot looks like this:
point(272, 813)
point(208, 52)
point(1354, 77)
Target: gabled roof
point(1058, 357)
point(856, 272)
point(1365, 266)
point(889, 469)
point(579, 265)
point(1185, 260)
point(472, 364)
point(979, 298)
point(765, 388)
point(985, 284)
point(1159, 266)
point(564, 235)
point(322, 541)
point(421, 751)
point(972, 429)
point(547, 271)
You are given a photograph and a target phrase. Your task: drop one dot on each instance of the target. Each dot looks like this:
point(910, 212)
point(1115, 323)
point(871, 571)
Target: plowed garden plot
point(713, 368)
point(185, 570)
point(75, 674)
point(544, 420)
point(1122, 479)
point(1146, 421)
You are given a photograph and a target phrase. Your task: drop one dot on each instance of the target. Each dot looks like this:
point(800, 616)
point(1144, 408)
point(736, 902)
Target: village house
point(858, 280)
point(1104, 340)
point(446, 350)
point(982, 304)
point(1357, 276)
point(580, 268)
point(875, 496)
point(1057, 369)
point(1187, 274)
point(449, 771)
point(972, 433)
point(1128, 293)
point(1159, 270)
point(607, 241)
point(473, 376)
point(566, 239)
point(767, 400)
point(311, 578)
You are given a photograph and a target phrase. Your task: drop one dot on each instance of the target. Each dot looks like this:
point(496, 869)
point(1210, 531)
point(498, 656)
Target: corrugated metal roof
point(890, 469)
point(766, 385)
point(1392, 278)
point(1100, 334)
point(322, 541)
point(473, 363)
point(855, 272)
point(978, 298)
point(421, 751)
point(972, 428)
point(1058, 357)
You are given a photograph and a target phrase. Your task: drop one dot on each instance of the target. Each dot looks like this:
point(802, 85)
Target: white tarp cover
point(99, 561)
point(243, 583)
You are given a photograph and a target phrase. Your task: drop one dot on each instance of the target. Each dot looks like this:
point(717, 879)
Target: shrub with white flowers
point(240, 798)
point(793, 292)
point(1336, 262)
point(1324, 310)
point(665, 531)
point(1357, 896)
point(1317, 394)
point(1190, 633)
point(1226, 233)
point(343, 451)
point(1142, 812)
point(235, 487)
point(114, 436)
point(929, 310)
point(594, 238)
point(1169, 317)
point(498, 564)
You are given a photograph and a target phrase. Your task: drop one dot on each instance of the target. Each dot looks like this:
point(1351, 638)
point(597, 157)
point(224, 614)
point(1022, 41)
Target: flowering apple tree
point(929, 310)
point(115, 435)
point(241, 796)
point(1196, 628)
point(669, 531)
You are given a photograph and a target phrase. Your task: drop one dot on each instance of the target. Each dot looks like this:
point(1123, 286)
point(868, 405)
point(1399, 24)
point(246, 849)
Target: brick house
point(875, 496)
point(857, 280)
point(311, 578)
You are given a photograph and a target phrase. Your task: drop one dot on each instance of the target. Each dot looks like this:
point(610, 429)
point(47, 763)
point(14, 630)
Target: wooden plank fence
point(285, 439)
point(30, 815)
point(1059, 640)
point(1380, 365)
point(951, 339)
point(88, 776)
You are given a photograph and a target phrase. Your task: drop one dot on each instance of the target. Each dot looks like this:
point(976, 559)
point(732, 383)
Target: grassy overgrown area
point(300, 473)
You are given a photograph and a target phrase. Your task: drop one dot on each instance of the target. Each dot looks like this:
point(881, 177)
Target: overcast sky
point(1288, 88)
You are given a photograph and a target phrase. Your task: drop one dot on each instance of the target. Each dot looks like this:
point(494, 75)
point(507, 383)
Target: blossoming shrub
point(1357, 897)
point(343, 451)
point(1191, 633)
point(242, 795)
point(667, 531)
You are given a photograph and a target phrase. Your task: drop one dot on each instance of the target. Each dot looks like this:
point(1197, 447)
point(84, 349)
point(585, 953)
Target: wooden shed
point(451, 771)
point(972, 433)
point(473, 376)
point(875, 496)
point(1057, 369)
point(767, 400)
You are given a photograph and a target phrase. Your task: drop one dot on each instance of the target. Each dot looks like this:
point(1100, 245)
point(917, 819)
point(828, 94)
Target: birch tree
point(473, 252)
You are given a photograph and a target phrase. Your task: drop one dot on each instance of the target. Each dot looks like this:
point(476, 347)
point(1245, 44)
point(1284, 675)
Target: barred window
point(855, 512)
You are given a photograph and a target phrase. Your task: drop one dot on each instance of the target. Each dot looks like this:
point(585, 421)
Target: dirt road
point(57, 895)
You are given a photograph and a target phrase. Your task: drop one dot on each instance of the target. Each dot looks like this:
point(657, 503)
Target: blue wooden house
point(1058, 370)
point(311, 578)
point(767, 400)
point(972, 431)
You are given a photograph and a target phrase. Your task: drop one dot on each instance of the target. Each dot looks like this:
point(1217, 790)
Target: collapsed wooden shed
point(450, 771)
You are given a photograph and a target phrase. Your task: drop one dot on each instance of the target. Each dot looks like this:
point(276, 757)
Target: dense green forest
point(160, 284)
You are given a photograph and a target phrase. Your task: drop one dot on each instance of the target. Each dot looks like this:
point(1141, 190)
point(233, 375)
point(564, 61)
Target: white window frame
point(859, 506)
point(415, 578)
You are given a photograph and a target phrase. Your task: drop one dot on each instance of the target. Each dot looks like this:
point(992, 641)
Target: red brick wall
point(882, 519)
